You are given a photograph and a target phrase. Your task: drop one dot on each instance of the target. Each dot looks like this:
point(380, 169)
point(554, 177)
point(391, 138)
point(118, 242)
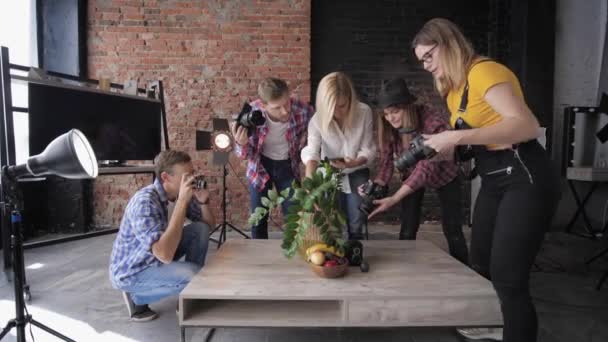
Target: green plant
point(314, 205)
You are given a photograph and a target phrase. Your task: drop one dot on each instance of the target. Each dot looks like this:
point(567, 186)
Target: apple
point(317, 258)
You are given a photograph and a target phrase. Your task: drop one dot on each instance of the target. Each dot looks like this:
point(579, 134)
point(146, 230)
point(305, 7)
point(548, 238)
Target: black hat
point(394, 92)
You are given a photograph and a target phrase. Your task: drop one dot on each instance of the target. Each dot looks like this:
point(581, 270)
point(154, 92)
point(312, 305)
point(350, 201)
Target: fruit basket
point(336, 271)
point(326, 262)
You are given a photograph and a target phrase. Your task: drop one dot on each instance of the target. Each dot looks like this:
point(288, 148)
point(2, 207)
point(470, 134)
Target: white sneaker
point(481, 333)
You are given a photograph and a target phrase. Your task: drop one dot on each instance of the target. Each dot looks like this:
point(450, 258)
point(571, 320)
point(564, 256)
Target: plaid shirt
point(296, 138)
point(144, 221)
point(426, 173)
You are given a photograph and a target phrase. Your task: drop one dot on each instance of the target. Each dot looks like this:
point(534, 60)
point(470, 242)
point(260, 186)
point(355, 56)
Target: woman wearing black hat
point(399, 122)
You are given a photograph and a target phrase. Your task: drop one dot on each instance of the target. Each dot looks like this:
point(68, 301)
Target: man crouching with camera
point(400, 125)
point(145, 258)
point(272, 147)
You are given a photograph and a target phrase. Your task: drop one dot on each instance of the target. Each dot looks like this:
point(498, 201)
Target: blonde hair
point(333, 87)
point(409, 119)
point(271, 89)
point(456, 53)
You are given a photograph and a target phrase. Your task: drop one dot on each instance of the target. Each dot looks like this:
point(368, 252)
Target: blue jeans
point(281, 176)
point(356, 220)
point(157, 282)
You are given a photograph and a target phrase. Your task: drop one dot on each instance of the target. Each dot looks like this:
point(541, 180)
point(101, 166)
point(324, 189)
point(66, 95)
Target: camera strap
point(462, 108)
point(464, 99)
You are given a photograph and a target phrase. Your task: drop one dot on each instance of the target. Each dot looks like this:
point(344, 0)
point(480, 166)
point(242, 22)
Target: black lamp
point(220, 141)
point(69, 156)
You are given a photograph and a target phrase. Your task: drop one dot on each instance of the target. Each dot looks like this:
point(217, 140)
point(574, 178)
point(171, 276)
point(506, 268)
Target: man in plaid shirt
point(272, 150)
point(400, 120)
point(145, 257)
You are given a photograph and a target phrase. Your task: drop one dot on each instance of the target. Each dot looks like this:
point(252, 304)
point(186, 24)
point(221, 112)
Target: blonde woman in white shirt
point(341, 130)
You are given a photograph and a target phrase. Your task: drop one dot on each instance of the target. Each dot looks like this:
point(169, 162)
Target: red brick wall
point(210, 56)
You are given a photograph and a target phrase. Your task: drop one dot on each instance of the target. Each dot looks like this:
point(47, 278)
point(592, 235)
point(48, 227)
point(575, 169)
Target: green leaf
point(285, 192)
point(266, 202)
point(272, 195)
point(307, 184)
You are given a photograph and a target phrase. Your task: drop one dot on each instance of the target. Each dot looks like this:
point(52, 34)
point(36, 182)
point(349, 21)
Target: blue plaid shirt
point(144, 221)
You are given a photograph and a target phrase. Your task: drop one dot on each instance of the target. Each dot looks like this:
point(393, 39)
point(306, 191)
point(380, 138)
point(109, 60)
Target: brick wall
point(211, 56)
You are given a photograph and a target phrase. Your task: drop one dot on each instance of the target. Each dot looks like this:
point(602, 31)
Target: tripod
point(16, 246)
point(224, 224)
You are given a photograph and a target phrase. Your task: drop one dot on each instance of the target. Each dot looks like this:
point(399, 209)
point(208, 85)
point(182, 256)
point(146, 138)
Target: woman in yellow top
point(519, 190)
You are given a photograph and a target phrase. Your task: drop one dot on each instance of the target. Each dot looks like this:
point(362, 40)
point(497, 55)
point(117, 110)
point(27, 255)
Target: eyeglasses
point(428, 56)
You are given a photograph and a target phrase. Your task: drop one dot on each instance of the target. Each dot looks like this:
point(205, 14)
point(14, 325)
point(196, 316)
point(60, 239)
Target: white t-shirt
point(275, 144)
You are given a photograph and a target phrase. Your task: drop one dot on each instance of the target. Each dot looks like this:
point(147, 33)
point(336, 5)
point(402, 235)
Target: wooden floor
point(249, 283)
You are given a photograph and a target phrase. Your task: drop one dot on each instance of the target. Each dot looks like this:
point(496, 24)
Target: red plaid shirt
point(426, 173)
point(296, 138)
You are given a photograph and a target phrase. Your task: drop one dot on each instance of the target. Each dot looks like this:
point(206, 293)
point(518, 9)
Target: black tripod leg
point(238, 231)
point(209, 334)
point(49, 330)
point(601, 254)
point(182, 334)
point(10, 325)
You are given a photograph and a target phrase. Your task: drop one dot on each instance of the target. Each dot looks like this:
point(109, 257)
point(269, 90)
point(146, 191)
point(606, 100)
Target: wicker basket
point(311, 237)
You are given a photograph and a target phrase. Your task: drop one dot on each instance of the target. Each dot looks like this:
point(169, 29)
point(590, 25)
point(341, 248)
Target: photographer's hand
point(444, 141)
point(348, 163)
point(239, 133)
point(202, 196)
point(185, 188)
point(383, 205)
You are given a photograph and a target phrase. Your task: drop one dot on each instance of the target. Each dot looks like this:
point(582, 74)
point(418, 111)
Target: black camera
point(199, 183)
point(372, 191)
point(353, 252)
point(248, 117)
point(417, 152)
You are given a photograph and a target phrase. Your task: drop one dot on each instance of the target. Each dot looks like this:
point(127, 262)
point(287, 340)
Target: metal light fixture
point(69, 156)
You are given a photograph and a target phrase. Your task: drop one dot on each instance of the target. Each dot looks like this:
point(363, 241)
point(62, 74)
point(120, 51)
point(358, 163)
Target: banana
point(321, 247)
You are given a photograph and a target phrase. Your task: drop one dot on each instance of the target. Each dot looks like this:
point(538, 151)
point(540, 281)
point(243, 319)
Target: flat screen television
point(118, 127)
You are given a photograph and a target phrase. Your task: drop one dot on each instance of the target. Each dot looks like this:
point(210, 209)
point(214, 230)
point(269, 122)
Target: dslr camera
point(249, 118)
point(372, 191)
point(199, 183)
point(417, 152)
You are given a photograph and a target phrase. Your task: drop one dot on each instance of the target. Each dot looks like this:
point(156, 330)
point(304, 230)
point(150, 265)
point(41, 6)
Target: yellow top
point(482, 77)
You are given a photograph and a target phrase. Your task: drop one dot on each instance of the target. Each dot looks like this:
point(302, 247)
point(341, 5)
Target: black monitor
point(119, 127)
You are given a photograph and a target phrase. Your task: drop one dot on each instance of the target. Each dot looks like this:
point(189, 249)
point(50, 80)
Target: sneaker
point(481, 333)
point(138, 313)
point(144, 316)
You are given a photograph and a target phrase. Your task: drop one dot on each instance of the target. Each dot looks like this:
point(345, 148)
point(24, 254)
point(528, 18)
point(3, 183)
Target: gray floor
point(72, 294)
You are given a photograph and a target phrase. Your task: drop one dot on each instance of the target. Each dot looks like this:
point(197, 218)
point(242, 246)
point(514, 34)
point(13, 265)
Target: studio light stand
point(220, 142)
point(69, 156)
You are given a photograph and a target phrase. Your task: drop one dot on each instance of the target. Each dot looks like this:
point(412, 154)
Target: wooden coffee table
point(249, 283)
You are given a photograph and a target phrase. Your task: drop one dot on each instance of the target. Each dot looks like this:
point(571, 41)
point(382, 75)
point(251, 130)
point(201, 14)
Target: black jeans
point(451, 207)
point(518, 197)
